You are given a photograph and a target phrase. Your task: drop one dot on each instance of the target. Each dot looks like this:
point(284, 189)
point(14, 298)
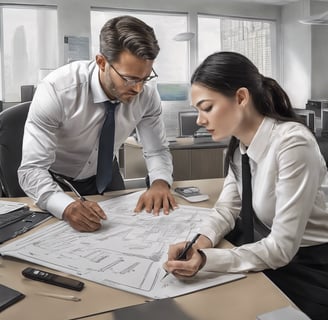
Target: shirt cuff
point(57, 203)
point(165, 177)
point(211, 234)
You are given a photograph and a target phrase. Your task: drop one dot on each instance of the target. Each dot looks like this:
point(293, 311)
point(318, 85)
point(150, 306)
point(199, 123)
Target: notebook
point(9, 296)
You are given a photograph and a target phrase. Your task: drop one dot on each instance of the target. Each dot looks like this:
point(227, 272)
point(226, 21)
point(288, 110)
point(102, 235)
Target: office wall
point(296, 52)
point(319, 54)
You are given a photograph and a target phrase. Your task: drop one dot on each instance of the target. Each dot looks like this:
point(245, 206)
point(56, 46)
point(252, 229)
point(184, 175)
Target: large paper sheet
point(126, 253)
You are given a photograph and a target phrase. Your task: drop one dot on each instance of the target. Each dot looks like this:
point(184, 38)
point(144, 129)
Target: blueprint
point(126, 253)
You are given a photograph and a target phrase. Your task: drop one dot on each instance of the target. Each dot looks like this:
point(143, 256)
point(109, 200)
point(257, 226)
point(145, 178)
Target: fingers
point(153, 200)
point(184, 268)
point(169, 203)
point(140, 204)
point(84, 216)
point(175, 249)
point(94, 207)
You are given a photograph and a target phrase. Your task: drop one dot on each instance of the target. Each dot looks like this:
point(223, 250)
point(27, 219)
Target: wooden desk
point(239, 300)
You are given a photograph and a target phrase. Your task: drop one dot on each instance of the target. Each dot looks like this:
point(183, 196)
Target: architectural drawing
point(126, 253)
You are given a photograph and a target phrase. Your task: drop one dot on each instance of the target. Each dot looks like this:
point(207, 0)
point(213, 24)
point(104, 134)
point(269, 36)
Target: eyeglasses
point(130, 82)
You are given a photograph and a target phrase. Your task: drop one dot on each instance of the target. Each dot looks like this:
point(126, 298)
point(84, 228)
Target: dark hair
point(226, 72)
point(128, 33)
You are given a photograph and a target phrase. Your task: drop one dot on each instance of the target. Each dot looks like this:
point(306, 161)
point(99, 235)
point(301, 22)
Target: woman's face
point(219, 114)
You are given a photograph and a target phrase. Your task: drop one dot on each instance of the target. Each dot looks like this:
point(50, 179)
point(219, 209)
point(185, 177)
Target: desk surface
point(242, 299)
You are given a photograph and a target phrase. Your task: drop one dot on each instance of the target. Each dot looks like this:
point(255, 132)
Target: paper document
point(9, 206)
point(126, 253)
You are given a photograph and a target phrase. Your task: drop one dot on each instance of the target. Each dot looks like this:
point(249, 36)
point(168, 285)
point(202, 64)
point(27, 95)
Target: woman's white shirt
point(288, 180)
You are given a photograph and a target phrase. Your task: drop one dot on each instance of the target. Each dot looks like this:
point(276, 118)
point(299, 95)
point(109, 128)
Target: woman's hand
point(194, 262)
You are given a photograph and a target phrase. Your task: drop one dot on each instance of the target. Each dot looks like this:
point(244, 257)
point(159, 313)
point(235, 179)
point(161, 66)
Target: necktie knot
point(111, 106)
point(245, 158)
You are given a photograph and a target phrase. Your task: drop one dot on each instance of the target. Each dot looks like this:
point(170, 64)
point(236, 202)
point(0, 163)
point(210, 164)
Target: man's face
point(124, 78)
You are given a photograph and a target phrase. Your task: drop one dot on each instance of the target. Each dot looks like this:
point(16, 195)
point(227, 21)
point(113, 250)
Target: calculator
point(191, 194)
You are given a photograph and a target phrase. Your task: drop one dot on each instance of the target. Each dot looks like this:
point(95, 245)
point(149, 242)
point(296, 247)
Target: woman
point(287, 178)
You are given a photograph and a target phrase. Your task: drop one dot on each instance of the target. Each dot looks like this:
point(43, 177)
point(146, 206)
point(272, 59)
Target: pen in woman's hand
point(183, 253)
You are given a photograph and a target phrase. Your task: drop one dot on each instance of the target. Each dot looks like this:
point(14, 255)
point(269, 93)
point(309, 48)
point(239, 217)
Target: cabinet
point(190, 161)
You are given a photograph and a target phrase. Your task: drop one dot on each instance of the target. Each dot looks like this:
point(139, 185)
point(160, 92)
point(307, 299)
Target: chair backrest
point(323, 145)
point(12, 122)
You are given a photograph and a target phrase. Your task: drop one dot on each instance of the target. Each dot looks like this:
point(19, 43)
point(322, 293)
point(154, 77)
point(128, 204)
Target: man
point(66, 119)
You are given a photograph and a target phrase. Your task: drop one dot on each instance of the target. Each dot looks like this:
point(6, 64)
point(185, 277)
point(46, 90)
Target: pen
point(68, 184)
point(59, 296)
point(183, 253)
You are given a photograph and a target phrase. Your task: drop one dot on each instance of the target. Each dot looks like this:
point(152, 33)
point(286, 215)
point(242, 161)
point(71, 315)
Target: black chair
point(323, 145)
point(12, 122)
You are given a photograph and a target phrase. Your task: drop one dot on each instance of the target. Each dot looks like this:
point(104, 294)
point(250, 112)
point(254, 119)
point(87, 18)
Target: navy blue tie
point(106, 148)
point(247, 211)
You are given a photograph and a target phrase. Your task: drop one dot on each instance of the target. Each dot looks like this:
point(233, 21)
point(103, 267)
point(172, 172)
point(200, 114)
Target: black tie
point(106, 147)
point(247, 211)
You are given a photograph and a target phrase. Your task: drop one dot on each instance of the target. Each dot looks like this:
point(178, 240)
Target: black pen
point(183, 253)
point(68, 184)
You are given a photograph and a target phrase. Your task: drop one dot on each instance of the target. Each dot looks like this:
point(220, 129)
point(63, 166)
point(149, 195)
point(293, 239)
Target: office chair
point(12, 122)
point(323, 145)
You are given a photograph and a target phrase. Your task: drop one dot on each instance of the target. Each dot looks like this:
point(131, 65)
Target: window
point(29, 45)
point(172, 63)
point(252, 38)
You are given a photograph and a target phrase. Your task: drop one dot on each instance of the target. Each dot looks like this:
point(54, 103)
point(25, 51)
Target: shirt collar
point(260, 140)
point(98, 93)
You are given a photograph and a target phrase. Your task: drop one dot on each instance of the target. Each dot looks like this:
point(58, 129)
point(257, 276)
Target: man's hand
point(84, 215)
point(156, 197)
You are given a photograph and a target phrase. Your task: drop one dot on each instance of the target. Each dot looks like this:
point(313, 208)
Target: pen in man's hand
point(183, 253)
point(68, 184)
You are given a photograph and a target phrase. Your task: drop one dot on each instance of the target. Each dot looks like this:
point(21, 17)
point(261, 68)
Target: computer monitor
point(307, 117)
point(187, 123)
point(317, 106)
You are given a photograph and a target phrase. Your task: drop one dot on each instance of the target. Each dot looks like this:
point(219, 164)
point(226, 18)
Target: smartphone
point(52, 278)
point(191, 194)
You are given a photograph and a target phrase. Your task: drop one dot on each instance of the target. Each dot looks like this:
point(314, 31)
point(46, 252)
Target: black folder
point(29, 219)
point(9, 296)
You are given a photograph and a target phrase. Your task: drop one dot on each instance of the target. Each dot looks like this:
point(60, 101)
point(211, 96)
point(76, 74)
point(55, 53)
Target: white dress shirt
point(63, 127)
point(288, 178)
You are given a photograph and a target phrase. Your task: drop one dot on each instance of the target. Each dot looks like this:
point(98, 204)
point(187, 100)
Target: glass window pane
point(29, 45)
point(172, 62)
point(251, 38)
